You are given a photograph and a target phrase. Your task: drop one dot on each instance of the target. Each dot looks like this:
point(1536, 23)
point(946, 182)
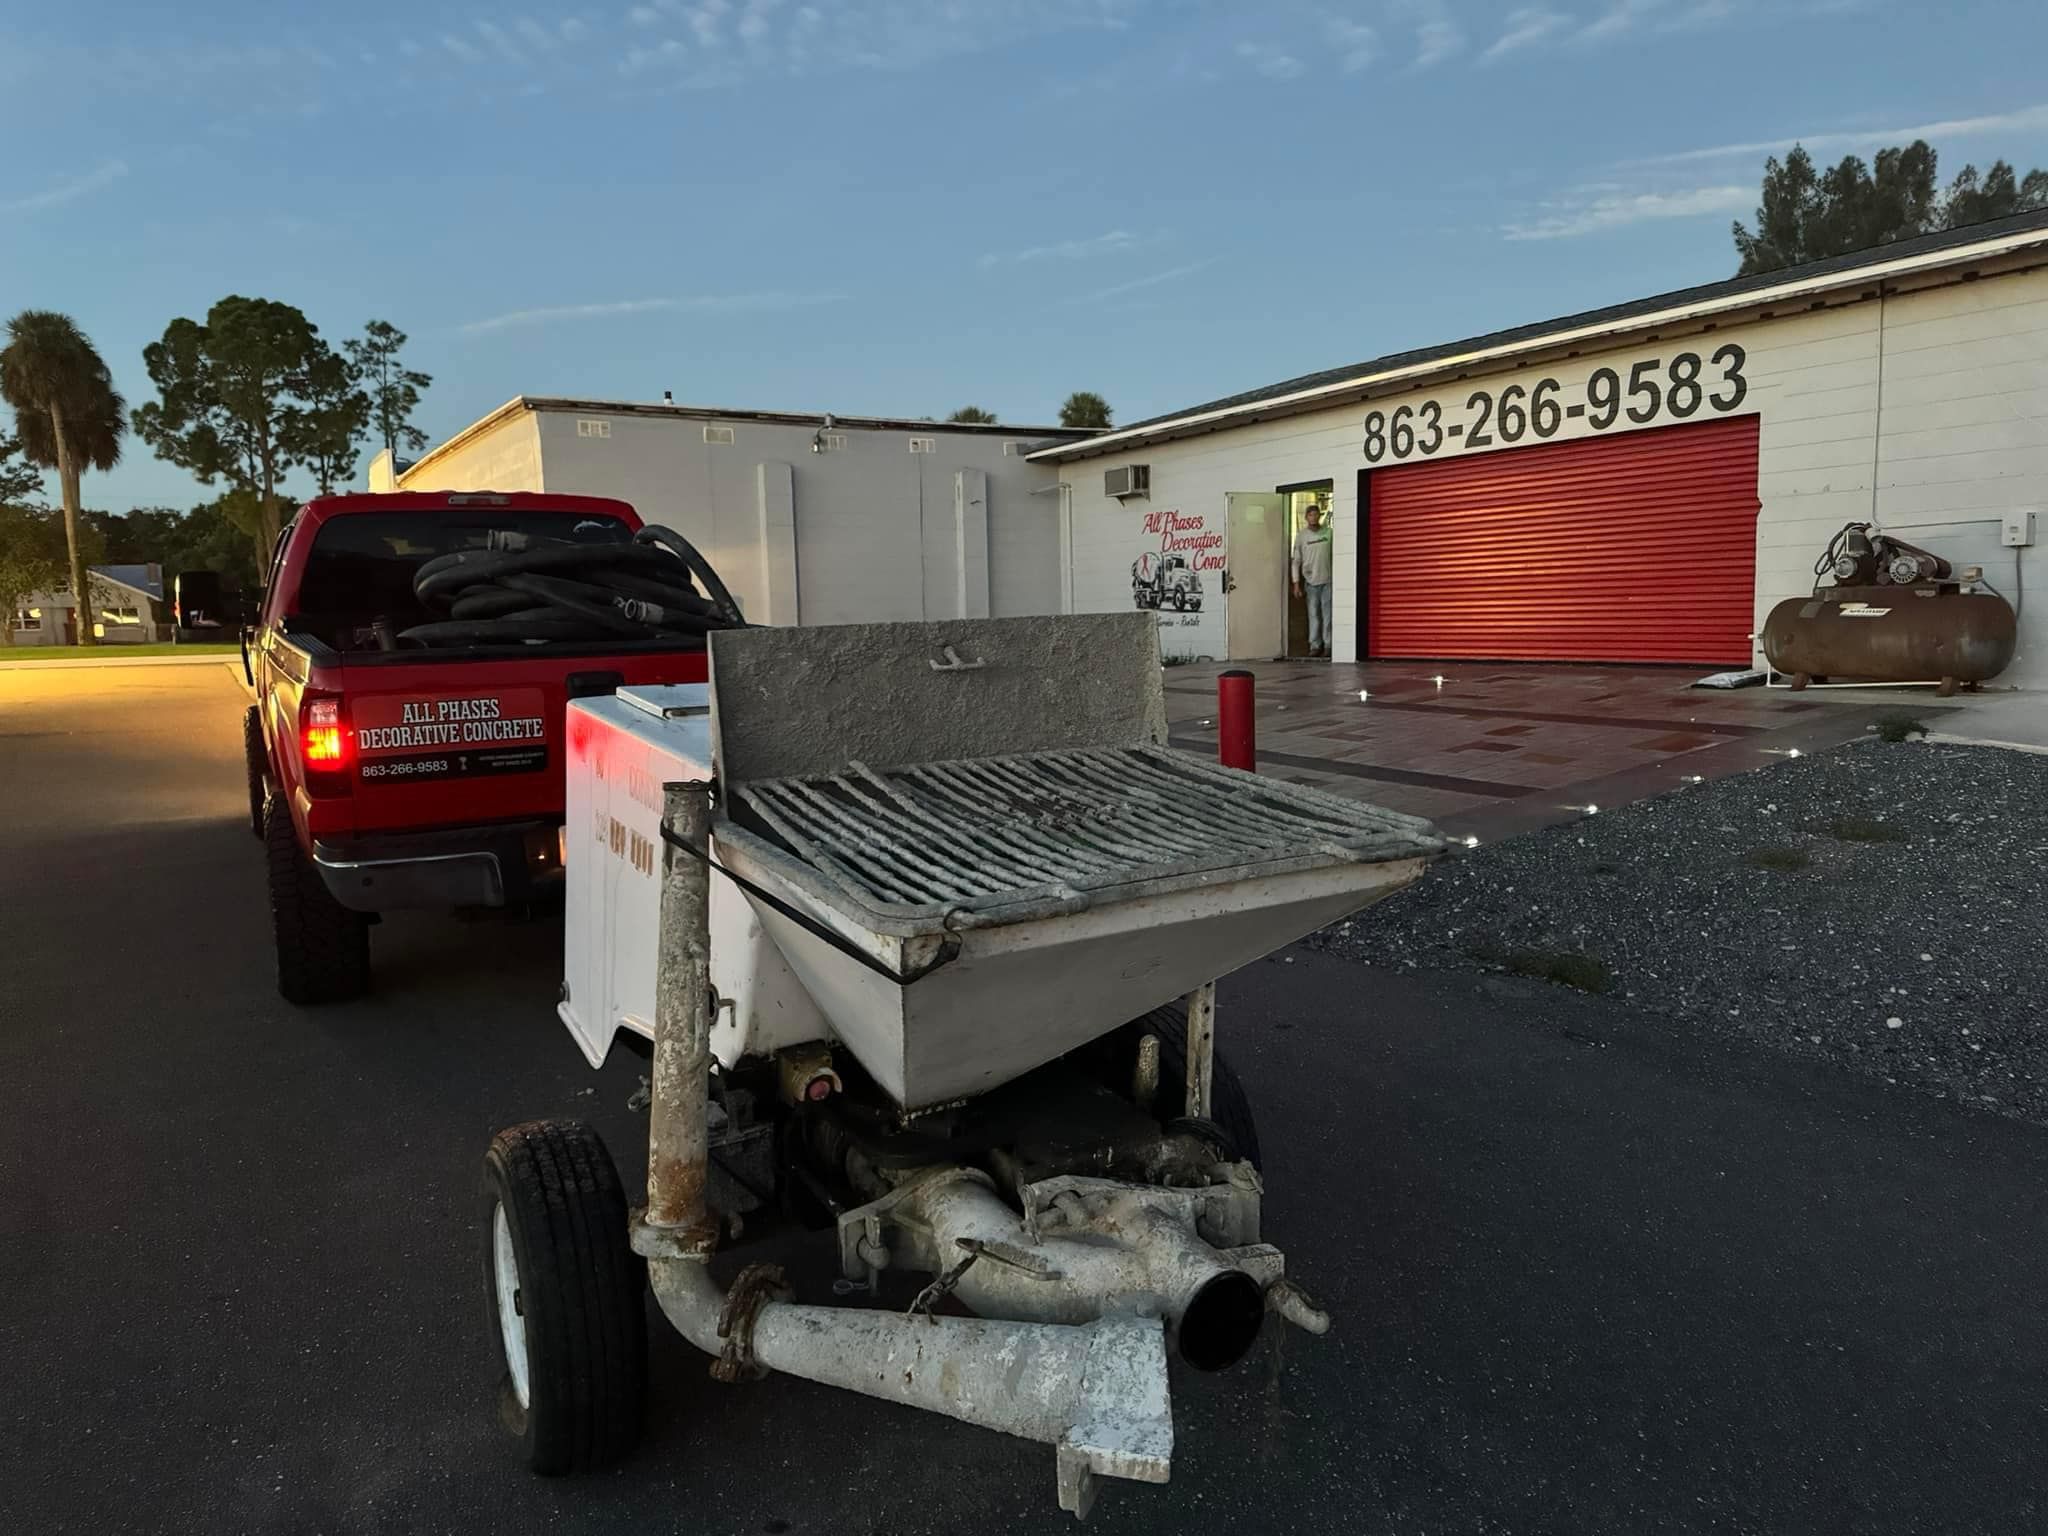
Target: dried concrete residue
point(795, 703)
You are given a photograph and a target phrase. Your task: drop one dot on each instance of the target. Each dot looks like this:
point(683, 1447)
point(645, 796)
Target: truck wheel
point(323, 949)
point(565, 1287)
point(256, 762)
point(1230, 1111)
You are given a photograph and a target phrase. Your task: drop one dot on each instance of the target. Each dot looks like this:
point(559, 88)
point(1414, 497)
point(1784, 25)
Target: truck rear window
point(361, 565)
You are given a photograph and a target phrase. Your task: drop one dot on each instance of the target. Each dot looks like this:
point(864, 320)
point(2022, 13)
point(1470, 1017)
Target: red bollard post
point(1237, 734)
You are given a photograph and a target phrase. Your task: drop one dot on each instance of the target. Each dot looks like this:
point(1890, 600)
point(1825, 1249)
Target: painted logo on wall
point(1178, 574)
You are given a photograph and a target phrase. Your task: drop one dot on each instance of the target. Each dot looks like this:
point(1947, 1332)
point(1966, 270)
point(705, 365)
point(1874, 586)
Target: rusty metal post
point(678, 1216)
point(1237, 737)
point(1201, 1049)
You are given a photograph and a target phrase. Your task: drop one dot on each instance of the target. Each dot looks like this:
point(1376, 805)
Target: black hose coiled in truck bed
point(656, 587)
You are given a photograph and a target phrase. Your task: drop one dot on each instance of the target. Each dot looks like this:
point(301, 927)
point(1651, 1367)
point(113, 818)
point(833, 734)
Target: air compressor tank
point(1937, 632)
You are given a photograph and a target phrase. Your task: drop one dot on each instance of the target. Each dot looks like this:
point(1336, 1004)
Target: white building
point(127, 603)
point(813, 519)
point(1637, 483)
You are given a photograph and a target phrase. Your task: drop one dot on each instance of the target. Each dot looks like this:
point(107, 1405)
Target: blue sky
point(901, 206)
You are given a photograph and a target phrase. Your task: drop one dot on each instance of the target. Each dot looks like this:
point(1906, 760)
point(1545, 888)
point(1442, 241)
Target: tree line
point(244, 396)
point(1083, 408)
point(1809, 213)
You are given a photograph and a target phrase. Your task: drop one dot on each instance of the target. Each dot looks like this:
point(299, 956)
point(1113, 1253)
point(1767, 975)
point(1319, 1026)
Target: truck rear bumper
point(494, 866)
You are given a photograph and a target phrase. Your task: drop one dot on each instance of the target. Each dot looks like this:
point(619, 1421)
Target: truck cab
point(389, 773)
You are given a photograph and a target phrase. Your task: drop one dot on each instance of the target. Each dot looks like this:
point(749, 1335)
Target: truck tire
point(564, 1289)
point(323, 949)
point(1230, 1111)
point(256, 761)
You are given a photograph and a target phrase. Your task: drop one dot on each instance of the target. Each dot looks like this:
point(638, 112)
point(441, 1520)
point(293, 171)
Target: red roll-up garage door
point(1639, 547)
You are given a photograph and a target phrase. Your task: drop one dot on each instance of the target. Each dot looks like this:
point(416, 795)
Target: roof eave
point(1327, 395)
point(468, 434)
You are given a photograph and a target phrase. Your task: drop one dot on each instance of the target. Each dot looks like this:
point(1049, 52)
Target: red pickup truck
point(412, 664)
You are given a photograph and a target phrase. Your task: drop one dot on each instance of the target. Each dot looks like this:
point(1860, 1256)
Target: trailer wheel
point(565, 1293)
point(323, 949)
point(1230, 1111)
point(256, 761)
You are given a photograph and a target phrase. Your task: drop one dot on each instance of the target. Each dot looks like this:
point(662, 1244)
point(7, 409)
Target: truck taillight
point(325, 744)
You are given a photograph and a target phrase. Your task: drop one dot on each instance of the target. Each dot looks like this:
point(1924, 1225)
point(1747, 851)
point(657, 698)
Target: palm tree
point(1084, 408)
point(68, 416)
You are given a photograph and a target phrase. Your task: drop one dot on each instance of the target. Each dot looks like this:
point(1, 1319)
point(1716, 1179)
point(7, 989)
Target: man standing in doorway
point(1311, 564)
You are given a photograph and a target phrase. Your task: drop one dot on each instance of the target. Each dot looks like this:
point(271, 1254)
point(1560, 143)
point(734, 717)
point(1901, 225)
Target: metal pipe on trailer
point(678, 1122)
point(1097, 1392)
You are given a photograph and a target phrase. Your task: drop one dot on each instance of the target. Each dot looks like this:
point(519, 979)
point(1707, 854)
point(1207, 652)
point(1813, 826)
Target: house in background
point(128, 608)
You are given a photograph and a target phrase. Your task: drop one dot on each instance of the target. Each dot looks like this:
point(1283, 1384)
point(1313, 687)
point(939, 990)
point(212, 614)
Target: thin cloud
point(2023, 120)
point(1437, 41)
point(703, 304)
point(1437, 34)
point(573, 29)
point(1620, 17)
point(1113, 243)
point(495, 36)
point(1701, 13)
point(466, 52)
point(669, 50)
point(1355, 44)
point(534, 34)
point(1597, 210)
point(104, 175)
point(1272, 62)
point(705, 20)
point(1152, 281)
point(1525, 28)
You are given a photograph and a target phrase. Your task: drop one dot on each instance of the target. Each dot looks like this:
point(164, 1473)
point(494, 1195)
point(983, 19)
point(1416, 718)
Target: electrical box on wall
point(2019, 530)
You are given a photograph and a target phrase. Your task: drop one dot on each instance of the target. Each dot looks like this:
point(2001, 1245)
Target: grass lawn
point(110, 652)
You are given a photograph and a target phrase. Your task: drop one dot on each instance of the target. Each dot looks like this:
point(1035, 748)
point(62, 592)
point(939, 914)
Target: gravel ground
point(1919, 960)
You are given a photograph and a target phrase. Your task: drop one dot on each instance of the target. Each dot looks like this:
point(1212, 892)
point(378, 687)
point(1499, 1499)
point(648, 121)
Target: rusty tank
point(1950, 633)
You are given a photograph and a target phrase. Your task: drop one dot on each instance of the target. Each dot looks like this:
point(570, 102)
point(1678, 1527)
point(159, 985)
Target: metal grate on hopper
point(1060, 827)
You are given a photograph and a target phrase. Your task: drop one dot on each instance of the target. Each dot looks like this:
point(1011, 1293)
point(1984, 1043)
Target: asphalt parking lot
point(1588, 1276)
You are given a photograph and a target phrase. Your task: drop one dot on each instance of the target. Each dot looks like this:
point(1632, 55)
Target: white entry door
point(1257, 574)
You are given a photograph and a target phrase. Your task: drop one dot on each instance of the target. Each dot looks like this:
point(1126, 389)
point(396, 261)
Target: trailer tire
point(256, 762)
point(1230, 1110)
point(323, 949)
point(571, 1341)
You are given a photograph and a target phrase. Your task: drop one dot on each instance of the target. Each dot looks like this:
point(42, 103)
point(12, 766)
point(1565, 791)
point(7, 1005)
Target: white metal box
point(622, 749)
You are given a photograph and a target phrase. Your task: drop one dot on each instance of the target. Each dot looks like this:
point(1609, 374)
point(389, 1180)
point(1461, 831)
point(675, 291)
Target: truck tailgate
point(457, 741)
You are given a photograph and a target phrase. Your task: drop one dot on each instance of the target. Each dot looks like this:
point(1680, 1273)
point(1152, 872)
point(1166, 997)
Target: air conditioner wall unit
point(1127, 480)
